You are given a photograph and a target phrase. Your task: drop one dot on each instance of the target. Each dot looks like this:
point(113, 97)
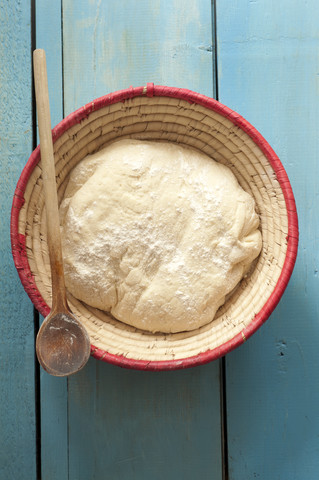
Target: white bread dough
point(157, 234)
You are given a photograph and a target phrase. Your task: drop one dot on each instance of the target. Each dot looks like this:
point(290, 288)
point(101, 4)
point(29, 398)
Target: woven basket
point(182, 116)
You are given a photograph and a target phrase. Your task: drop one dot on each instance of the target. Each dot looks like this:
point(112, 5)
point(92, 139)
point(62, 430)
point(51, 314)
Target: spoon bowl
point(63, 345)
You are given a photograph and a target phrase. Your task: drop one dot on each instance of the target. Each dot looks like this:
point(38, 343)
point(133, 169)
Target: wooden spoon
point(63, 344)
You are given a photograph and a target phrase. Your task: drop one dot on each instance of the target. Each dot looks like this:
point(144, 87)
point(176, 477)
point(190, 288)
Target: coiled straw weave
point(177, 115)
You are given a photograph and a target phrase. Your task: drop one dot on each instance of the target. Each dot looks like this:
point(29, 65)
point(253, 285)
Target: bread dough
point(157, 234)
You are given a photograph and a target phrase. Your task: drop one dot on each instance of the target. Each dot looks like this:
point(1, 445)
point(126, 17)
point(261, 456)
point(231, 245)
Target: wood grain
point(17, 389)
point(268, 72)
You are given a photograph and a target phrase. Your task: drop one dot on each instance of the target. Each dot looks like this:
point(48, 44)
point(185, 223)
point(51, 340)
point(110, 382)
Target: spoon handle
point(59, 301)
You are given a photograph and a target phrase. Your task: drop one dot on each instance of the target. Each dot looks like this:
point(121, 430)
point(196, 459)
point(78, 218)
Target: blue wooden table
point(256, 413)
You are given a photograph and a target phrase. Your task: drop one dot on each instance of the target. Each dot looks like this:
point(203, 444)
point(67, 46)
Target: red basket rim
point(18, 240)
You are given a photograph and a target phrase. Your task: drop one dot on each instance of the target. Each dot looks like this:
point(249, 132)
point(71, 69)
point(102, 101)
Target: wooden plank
point(126, 424)
point(131, 424)
point(49, 37)
point(112, 45)
point(54, 394)
point(17, 390)
point(268, 72)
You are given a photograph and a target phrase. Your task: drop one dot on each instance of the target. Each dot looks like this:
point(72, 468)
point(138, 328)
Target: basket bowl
point(182, 116)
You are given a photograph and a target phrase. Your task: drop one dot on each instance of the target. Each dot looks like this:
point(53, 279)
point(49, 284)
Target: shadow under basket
point(181, 116)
